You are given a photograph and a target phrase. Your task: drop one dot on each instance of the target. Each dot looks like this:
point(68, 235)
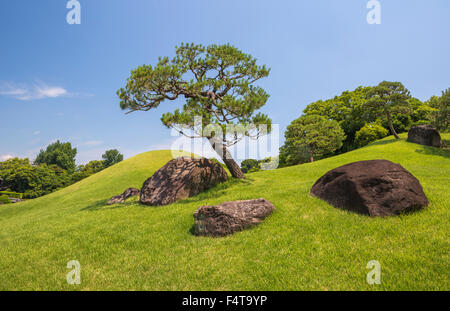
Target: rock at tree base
point(375, 188)
point(229, 217)
point(181, 178)
point(425, 135)
point(125, 195)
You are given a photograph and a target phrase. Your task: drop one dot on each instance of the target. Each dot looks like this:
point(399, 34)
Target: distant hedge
point(11, 194)
point(5, 200)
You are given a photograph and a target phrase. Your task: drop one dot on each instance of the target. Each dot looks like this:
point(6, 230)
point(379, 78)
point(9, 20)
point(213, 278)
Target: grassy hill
point(306, 244)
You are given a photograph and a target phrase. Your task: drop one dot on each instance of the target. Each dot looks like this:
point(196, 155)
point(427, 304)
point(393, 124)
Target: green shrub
point(250, 165)
point(32, 180)
point(11, 194)
point(4, 199)
point(369, 133)
point(311, 137)
point(254, 169)
point(422, 122)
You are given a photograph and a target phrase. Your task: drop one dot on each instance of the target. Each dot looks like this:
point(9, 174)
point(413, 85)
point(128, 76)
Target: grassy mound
point(305, 244)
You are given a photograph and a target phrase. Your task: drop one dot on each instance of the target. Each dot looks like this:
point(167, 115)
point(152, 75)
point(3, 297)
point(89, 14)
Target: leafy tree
point(423, 114)
point(78, 175)
point(60, 154)
point(441, 114)
point(15, 172)
point(387, 96)
point(369, 133)
point(348, 109)
point(310, 136)
point(33, 181)
point(111, 157)
point(96, 166)
point(217, 83)
point(84, 171)
point(401, 121)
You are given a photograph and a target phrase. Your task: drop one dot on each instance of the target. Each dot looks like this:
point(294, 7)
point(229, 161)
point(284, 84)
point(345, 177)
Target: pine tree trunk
point(225, 155)
point(388, 115)
point(234, 168)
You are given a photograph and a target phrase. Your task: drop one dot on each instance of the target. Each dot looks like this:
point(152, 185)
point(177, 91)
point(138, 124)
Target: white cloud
point(5, 157)
point(31, 92)
point(50, 91)
point(37, 132)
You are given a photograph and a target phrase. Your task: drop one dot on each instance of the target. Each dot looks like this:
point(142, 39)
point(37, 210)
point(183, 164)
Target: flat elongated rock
point(181, 178)
point(375, 188)
point(229, 217)
point(125, 195)
point(425, 135)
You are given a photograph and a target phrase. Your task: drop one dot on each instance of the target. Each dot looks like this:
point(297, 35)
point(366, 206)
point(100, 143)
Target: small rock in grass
point(125, 195)
point(229, 217)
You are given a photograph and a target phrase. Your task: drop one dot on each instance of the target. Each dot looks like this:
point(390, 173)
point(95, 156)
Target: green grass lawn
point(305, 244)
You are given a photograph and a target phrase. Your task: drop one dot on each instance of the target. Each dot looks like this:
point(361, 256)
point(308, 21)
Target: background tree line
point(54, 168)
point(354, 119)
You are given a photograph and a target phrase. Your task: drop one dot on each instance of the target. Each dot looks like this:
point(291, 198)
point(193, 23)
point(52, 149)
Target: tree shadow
point(217, 190)
point(213, 192)
point(192, 230)
point(384, 142)
point(102, 205)
point(444, 151)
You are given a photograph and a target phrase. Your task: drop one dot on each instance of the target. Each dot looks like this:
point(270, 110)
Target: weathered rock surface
point(125, 195)
point(375, 188)
point(181, 178)
point(425, 135)
point(229, 217)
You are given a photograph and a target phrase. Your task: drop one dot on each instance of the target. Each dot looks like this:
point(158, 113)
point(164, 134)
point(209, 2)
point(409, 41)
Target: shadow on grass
point(192, 230)
point(384, 142)
point(218, 190)
point(444, 151)
point(102, 205)
point(214, 192)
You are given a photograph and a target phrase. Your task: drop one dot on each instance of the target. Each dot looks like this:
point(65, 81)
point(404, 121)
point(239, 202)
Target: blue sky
point(59, 81)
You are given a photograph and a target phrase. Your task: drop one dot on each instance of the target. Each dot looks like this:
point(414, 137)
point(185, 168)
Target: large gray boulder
point(181, 178)
point(374, 187)
point(229, 217)
point(425, 135)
